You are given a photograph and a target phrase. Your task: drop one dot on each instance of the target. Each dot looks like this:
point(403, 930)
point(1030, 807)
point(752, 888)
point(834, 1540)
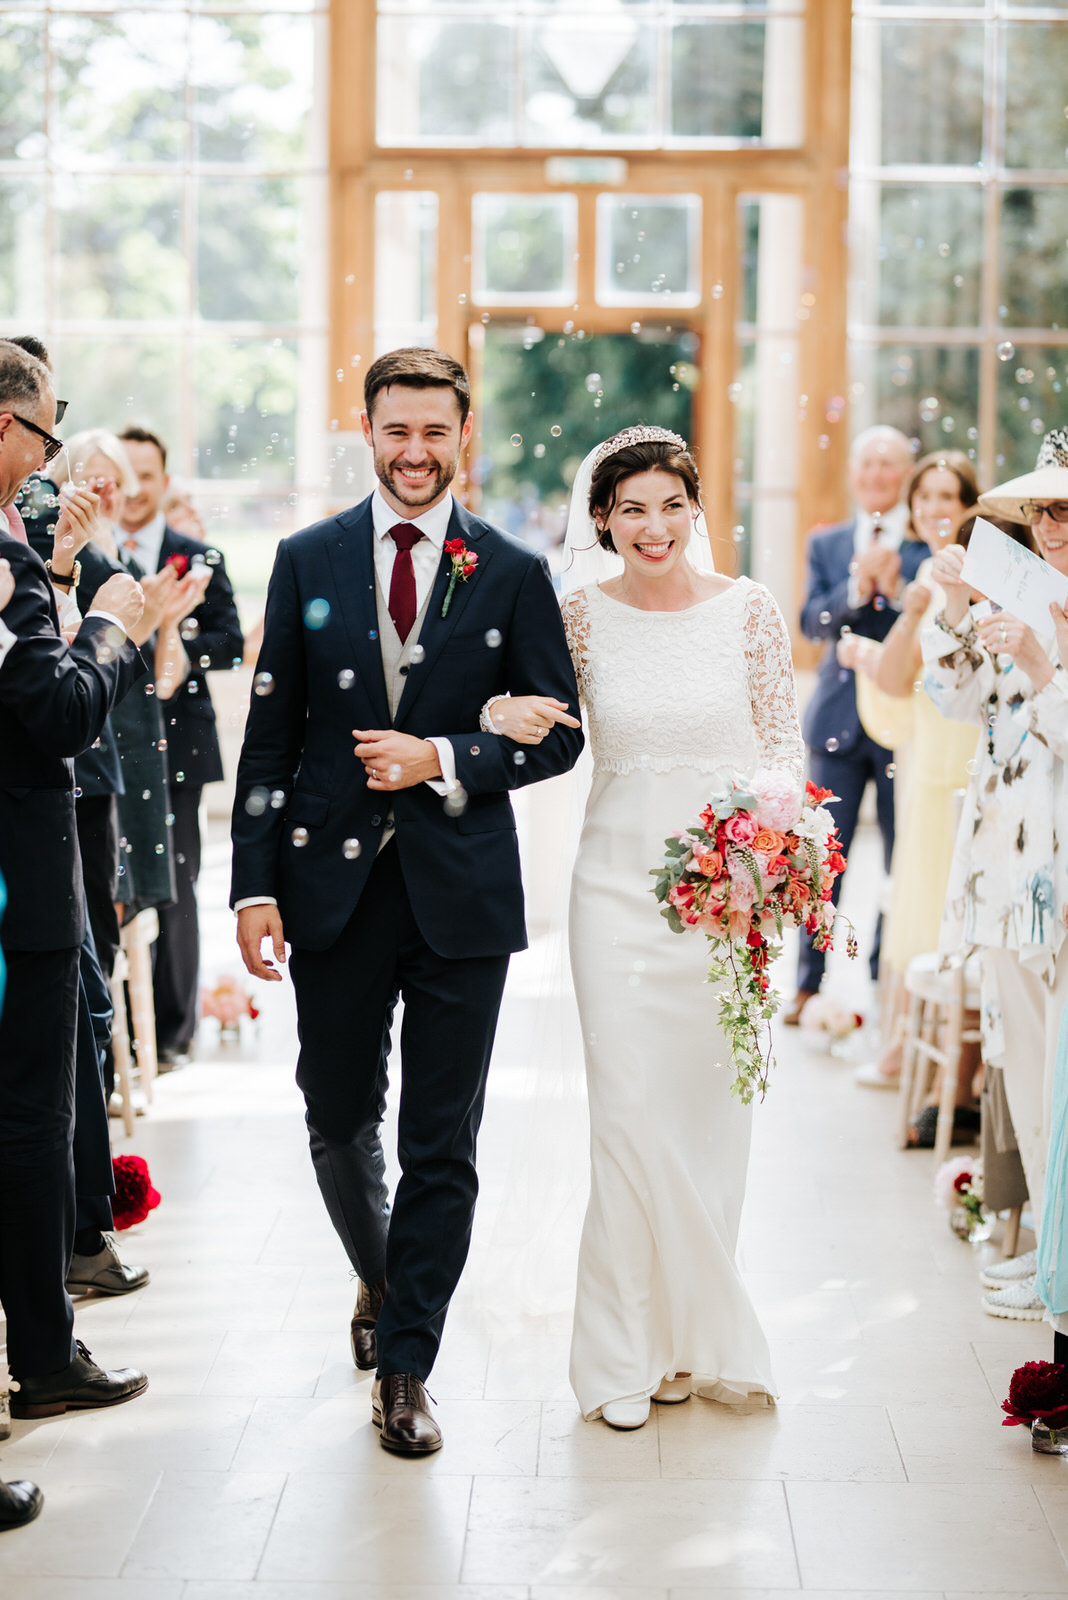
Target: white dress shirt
point(426, 558)
point(147, 543)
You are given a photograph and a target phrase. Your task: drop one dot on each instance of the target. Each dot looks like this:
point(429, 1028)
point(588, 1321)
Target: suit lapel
point(436, 628)
point(352, 560)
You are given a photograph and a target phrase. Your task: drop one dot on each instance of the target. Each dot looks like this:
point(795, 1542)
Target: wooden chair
point(943, 1015)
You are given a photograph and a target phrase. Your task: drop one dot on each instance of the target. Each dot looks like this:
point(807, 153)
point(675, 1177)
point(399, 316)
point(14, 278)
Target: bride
point(684, 673)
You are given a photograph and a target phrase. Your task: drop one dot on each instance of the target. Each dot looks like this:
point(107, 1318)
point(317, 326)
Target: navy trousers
point(847, 775)
point(345, 1001)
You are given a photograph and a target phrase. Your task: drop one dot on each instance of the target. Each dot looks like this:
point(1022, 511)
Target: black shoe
point(80, 1387)
point(362, 1327)
point(172, 1057)
point(399, 1410)
point(19, 1503)
point(104, 1272)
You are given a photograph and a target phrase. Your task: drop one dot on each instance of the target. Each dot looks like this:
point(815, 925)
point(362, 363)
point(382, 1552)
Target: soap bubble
point(519, 758)
point(189, 627)
point(256, 804)
point(263, 683)
point(456, 802)
point(493, 638)
point(734, 392)
point(351, 849)
point(299, 837)
point(539, 450)
point(832, 745)
point(346, 678)
point(205, 663)
point(278, 799)
point(890, 770)
point(825, 618)
point(417, 654)
point(393, 773)
point(1006, 350)
point(516, 440)
point(316, 614)
point(556, 430)
point(594, 382)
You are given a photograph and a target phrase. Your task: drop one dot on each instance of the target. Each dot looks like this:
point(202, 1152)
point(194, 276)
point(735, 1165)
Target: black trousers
point(97, 817)
point(345, 1001)
point(94, 1180)
point(846, 775)
point(176, 972)
point(37, 1042)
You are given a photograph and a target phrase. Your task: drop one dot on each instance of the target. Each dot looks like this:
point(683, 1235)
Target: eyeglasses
point(52, 445)
point(61, 406)
point(1034, 510)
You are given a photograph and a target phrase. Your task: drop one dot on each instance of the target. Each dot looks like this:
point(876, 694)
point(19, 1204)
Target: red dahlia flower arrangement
point(1038, 1392)
point(758, 858)
point(134, 1195)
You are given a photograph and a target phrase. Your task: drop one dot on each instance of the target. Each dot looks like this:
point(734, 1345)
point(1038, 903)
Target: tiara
point(636, 435)
point(1054, 451)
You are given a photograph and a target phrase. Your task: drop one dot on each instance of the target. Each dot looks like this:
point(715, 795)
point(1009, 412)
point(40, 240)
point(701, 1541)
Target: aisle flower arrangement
point(1038, 1399)
point(760, 857)
point(135, 1196)
point(958, 1186)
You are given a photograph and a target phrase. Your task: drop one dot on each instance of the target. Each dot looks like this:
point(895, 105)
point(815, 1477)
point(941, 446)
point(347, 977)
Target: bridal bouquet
point(758, 858)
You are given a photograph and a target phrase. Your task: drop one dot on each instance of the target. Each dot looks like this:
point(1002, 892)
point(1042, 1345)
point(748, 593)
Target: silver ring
point(1004, 635)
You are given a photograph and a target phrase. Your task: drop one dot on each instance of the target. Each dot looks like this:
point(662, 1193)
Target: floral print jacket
point(1008, 884)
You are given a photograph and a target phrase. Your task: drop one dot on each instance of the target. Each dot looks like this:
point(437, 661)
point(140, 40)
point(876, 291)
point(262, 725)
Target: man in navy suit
point(211, 635)
point(393, 867)
point(857, 571)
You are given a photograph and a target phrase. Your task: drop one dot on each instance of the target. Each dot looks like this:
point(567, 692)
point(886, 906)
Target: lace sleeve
point(576, 614)
point(772, 688)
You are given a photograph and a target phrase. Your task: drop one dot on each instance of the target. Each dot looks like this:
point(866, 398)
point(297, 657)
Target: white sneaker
point(1002, 1273)
point(1019, 1302)
point(630, 1412)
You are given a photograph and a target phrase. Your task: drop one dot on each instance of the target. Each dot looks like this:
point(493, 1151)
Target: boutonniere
point(463, 563)
point(180, 564)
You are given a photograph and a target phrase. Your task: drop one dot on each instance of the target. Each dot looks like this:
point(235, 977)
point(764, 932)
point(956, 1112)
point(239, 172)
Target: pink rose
point(742, 828)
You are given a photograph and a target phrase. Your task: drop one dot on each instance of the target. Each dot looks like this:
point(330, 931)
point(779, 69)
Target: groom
point(393, 868)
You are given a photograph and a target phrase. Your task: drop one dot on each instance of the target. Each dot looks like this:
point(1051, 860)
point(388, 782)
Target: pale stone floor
point(250, 1468)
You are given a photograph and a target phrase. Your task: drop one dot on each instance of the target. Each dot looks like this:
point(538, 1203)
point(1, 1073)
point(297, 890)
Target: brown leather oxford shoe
point(362, 1328)
point(399, 1410)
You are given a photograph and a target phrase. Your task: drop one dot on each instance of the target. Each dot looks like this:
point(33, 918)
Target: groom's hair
point(417, 368)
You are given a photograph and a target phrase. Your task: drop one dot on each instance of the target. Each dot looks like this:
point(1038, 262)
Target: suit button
point(376, 821)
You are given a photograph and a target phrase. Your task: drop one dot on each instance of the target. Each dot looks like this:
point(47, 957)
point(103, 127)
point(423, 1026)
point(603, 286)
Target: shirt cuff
point(485, 721)
point(447, 758)
point(107, 617)
point(255, 900)
point(7, 638)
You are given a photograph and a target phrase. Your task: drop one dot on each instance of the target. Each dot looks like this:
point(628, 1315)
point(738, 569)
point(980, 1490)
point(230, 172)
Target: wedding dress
point(672, 698)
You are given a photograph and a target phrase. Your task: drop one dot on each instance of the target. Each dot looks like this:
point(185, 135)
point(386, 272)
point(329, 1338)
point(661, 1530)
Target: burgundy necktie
point(402, 606)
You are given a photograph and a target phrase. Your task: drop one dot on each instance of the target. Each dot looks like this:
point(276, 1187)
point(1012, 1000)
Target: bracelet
point(68, 580)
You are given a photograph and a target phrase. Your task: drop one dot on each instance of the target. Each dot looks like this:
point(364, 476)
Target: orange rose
point(768, 842)
point(710, 862)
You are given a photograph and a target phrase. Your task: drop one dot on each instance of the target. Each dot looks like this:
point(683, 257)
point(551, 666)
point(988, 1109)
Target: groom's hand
point(254, 924)
point(394, 760)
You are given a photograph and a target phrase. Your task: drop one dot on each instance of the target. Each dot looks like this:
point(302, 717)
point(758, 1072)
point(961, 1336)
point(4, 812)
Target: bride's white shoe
point(673, 1391)
point(630, 1412)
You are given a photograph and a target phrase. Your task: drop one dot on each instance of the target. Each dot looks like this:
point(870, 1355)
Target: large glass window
point(162, 225)
point(959, 224)
point(581, 73)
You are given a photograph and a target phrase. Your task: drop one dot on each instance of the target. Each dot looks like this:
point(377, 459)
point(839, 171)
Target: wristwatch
point(68, 580)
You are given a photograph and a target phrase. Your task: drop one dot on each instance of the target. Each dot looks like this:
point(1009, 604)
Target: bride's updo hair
point(653, 455)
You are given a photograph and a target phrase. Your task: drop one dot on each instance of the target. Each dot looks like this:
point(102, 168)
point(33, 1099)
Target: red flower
point(1037, 1391)
point(134, 1195)
point(180, 564)
point(815, 795)
point(454, 547)
point(963, 1181)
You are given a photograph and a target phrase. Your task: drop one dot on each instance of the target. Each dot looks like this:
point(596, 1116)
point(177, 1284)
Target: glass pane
point(22, 87)
point(22, 247)
point(589, 80)
point(584, 390)
point(118, 86)
point(253, 79)
point(737, 81)
point(248, 249)
point(111, 382)
point(1031, 391)
point(1034, 257)
point(1036, 88)
point(930, 255)
point(119, 247)
point(451, 82)
point(406, 261)
point(648, 250)
point(930, 392)
point(935, 69)
point(524, 247)
point(246, 409)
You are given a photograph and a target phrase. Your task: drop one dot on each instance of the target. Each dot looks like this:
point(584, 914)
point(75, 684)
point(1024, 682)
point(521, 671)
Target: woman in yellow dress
point(941, 497)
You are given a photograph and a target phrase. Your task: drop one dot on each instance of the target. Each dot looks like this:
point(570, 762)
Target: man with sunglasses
point(54, 699)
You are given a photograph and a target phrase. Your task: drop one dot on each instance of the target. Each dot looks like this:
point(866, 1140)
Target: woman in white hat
point(1008, 886)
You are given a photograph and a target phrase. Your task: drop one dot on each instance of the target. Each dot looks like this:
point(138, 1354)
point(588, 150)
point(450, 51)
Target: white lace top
point(710, 688)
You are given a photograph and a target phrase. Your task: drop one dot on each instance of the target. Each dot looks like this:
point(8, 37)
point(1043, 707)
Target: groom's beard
point(430, 490)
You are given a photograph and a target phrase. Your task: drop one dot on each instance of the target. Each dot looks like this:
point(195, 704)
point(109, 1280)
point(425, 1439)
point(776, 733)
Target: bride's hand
point(527, 718)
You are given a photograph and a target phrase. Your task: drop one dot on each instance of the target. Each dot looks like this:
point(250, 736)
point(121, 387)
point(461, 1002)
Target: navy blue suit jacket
point(461, 872)
point(832, 711)
point(216, 646)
